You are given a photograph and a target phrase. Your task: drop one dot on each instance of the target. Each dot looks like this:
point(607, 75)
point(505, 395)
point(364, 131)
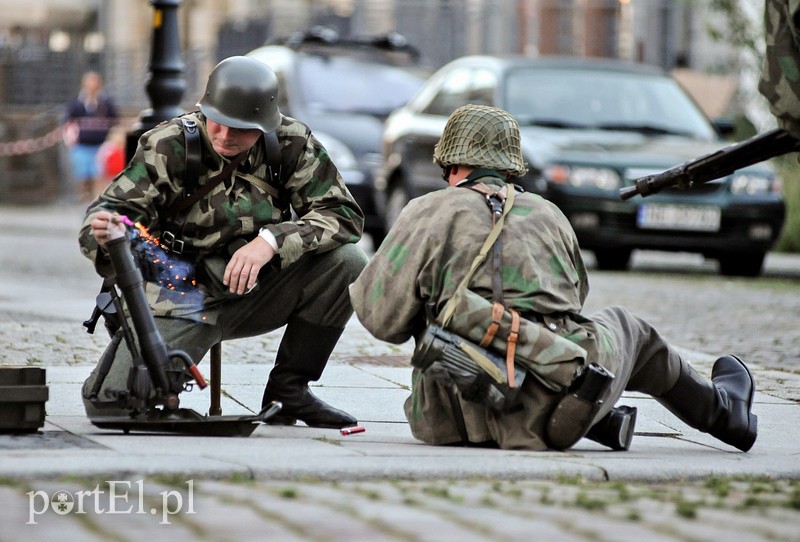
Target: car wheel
point(397, 199)
point(613, 259)
point(741, 264)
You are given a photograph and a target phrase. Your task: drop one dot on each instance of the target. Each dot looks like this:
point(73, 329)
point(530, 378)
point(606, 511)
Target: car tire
point(397, 199)
point(613, 259)
point(741, 264)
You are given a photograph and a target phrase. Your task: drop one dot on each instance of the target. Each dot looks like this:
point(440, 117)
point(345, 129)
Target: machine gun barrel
point(717, 164)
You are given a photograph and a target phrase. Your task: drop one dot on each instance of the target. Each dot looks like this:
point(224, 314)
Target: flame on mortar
point(149, 238)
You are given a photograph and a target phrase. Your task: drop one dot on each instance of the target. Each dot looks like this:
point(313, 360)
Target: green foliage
point(736, 28)
point(788, 168)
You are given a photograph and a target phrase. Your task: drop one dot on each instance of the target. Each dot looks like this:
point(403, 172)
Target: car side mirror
point(724, 126)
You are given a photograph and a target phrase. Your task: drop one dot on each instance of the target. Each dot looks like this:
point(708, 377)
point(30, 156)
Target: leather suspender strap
point(172, 219)
point(491, 331)
point(275, 167)
point(511, 349)
point(211, 182)
point(273, 156)
point(191, 136)
point(450, 308)
point(498, 307)
point(495, 201)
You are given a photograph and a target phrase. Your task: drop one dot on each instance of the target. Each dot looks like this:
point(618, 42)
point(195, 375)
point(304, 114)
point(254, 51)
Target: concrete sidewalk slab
point(663, 449)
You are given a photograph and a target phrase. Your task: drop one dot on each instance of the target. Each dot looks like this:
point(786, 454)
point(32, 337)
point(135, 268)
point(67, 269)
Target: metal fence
point(35, 81)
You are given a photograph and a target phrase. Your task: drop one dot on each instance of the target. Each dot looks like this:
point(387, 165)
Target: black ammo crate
point(23, 393)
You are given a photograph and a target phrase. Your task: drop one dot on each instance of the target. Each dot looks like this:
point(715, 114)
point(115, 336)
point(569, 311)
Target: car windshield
point(603, 100)
point(337, 83)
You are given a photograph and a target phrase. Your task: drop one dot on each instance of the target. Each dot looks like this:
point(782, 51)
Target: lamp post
point(166, 81)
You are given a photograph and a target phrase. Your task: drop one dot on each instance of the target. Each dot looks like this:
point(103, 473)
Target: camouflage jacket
point(780, 76)
point(431, 247)
point(327, 216)
point(421, 263)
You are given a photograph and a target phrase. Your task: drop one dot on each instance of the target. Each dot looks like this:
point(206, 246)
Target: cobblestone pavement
point(398, 510)
point(702, 311)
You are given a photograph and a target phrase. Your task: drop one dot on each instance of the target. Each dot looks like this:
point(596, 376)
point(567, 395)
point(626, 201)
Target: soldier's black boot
point(721, 406)
point(615, 429)
point(301, 358)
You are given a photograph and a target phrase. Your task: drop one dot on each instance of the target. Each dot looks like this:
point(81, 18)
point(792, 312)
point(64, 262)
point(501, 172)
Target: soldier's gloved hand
point(241, 273)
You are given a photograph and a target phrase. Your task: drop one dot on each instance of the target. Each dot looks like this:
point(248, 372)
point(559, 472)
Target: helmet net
point(481, 136)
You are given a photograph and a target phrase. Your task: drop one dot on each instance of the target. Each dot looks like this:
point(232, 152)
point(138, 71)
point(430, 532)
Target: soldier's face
point(228, 141)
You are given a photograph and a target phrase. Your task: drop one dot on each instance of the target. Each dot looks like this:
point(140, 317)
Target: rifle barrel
point(717, 164)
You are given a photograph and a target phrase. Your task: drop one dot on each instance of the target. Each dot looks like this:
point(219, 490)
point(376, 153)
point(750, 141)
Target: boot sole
point(626, 430)
point(744, 444)
point(281, 420)
point(288, 420)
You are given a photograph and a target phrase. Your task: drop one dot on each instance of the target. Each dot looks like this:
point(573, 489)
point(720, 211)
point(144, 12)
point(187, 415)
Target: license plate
point(678, 217)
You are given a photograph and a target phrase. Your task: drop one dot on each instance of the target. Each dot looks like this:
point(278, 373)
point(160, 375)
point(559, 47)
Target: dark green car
point(589, 128)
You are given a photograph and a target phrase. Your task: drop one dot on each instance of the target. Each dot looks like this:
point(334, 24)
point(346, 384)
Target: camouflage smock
point(231, 213)
point(424, 257)
point(780, 76)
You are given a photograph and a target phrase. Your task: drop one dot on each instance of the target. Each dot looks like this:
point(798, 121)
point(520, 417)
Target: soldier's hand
point(107, 226)
point(241, 273)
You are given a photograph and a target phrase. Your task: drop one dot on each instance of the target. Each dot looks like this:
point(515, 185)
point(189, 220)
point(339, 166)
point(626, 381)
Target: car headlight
point(583, 176)
point(340, 154)
point(755, 185)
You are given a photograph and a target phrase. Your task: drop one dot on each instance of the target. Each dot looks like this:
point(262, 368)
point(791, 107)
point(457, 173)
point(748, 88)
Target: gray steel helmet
point(481, 136)
point(242, 92)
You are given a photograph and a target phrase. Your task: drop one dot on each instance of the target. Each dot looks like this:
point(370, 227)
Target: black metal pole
point(166, 81)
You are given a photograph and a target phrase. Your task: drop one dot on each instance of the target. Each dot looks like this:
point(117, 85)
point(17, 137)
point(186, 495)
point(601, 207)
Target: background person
point(258, 268)
point(428, 251)
point(89, 117)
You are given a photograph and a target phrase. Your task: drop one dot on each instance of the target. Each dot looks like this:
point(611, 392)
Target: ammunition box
point(23, 394)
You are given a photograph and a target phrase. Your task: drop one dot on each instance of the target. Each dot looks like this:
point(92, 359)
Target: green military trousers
point(314, 290)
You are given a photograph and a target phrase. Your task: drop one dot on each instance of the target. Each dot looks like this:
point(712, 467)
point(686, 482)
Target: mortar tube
point(152, 346)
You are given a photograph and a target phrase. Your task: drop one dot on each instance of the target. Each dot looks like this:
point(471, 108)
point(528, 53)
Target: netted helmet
point(481, 136)
point(242, 92)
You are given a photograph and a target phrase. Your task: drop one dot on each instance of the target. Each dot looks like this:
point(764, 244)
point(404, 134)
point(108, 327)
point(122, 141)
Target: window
point(463, 86)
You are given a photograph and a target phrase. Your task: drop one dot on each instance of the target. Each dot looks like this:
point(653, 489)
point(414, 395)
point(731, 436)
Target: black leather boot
point(721, 406)
point(615, 429)
point(301, 358)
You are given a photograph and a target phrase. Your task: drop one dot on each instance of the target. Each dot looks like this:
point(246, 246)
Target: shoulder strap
point(211, 182)
point(191, 135)
point(275, 167)
point(449, 309)
point(273, 156)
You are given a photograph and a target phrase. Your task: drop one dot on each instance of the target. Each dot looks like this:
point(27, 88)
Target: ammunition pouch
point(478, 374)
point(572, 417)
point(554, 358)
